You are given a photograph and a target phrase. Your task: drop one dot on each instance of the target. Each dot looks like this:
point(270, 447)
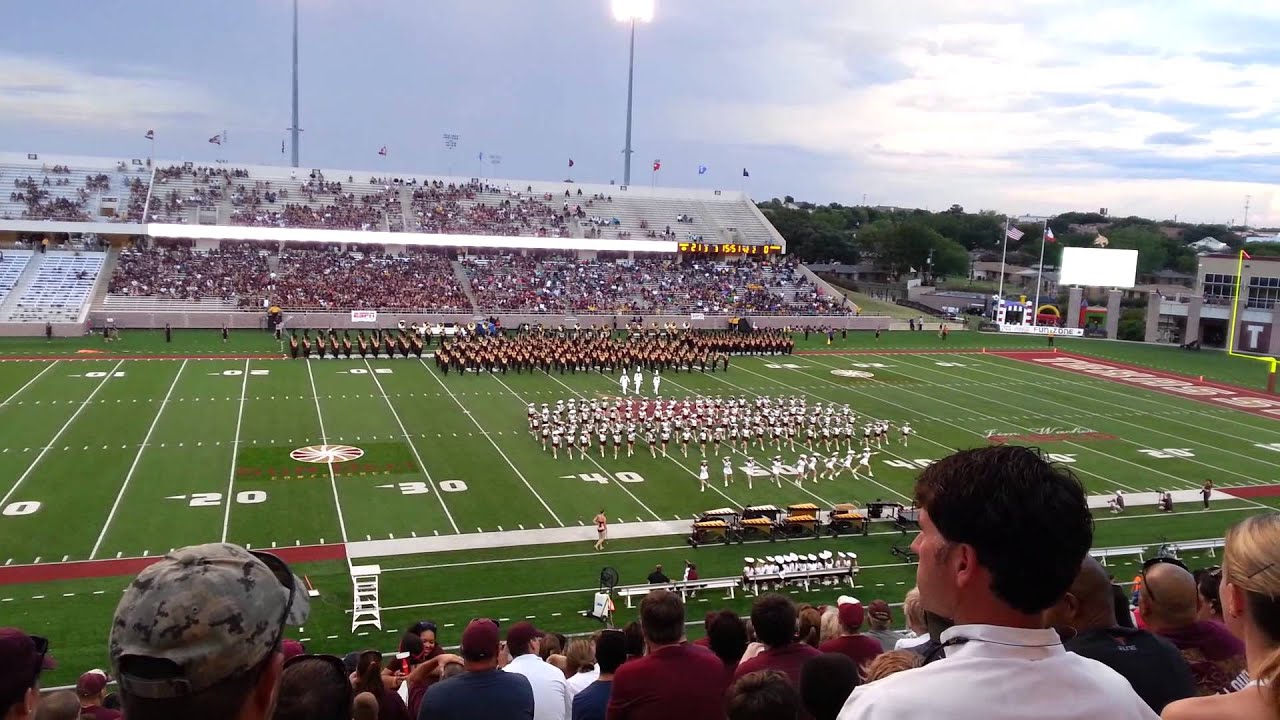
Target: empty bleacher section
point(12, 263)
point(59, 288)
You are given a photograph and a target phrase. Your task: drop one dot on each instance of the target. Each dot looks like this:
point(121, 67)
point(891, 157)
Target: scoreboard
point(695, 248)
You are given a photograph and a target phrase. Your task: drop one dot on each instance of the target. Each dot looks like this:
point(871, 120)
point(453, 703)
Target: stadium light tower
point(631, 11)
point(293, 130)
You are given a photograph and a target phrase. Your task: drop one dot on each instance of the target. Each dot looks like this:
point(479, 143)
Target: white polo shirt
point(579, 682)
point(1001, 673)
point(552, 699)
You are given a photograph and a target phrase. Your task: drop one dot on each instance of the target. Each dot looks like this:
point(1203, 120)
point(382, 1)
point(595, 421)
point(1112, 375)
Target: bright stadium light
point(632, 11)
point(629, 10)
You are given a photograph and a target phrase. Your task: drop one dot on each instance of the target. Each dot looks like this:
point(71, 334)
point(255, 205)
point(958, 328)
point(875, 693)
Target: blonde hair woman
point(830, 624)
point(1250, 593)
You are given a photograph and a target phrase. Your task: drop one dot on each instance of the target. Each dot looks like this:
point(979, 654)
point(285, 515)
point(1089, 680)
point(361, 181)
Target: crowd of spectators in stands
point(342, 280)
point(1012, 620)
point(180, 273)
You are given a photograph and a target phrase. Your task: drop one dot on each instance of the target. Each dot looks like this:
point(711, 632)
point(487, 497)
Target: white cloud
point(52, 91)
point(972, 90)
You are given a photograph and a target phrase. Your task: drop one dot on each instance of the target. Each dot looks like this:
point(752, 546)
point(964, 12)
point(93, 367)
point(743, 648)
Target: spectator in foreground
point(62, 705)
point(364, 707)
point(22, 659)
point(582, 659)
point(727, 638)
point(1208, 581)
point(765, 695)
point(91, 690)
point(859, 648)
point(1168, 606)
point(483, 692)
point(1085, 619)
point(913, 609)
point(825, 683)
point(369, 679)
point(673, 678)
point(880, 624)
point(314, 687)
point(774, 618)
point(986, 516)
point(552, 699)
point(1250, 593)
point(592, 702)
point(197, 635)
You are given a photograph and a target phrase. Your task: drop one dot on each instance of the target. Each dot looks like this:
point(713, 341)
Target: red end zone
point(1211, 393)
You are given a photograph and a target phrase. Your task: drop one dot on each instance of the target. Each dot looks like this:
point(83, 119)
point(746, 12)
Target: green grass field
point(105, 458)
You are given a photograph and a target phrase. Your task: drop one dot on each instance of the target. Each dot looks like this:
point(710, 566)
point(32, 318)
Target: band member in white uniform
point(728, 471)
point(777, 470)
point(864, 462)
point(750, 471)
point(703, 476)
point(657, 382)
point(625, 382)
point(906, 433)
point(637, 381)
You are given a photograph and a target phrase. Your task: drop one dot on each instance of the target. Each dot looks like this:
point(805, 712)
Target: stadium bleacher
point(12, 264)
point(60, 287)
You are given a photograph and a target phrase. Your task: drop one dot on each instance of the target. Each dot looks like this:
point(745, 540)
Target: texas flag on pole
point(216, 139)
point(1048, 235)
point(657, 165)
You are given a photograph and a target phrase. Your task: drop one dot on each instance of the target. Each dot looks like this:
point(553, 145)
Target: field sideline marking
point(486, 435)
point(235, 451)
point(1144, 428)
point(1156, 398)
point(24, 387)
point(324, 438)
point(129, 475)
point(934, 419)
point(409, 439)
point(1193, 483)
point(84, 404)
point(589, 456)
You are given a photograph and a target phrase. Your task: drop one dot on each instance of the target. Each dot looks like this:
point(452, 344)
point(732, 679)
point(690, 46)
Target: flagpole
point(1004, 248)
point(1035, 311)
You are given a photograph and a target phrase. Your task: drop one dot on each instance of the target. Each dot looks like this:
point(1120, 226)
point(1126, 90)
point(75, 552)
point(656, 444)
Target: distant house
point(1209, 245)
point(990, 271)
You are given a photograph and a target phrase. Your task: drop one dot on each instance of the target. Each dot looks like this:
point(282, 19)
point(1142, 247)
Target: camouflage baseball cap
point(201, 615)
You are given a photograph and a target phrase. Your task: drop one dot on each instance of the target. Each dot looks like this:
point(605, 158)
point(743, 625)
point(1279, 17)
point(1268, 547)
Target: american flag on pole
point(216, 139)
point(383, 151)
point(151, 135)
point(1014, 234)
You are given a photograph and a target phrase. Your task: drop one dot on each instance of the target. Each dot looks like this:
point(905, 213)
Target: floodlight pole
point(293, 131)
point(631, 76)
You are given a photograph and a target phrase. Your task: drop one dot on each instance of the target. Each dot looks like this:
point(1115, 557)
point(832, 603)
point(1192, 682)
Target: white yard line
point(235, 451)
point(324, 439)
point(589, 457)
point(18, 392)
point(129, 475)
point(471, 417)
point(409, 439)
point(84, 404)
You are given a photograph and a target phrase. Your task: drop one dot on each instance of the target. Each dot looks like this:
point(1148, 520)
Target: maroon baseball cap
point(879, 610)
point(850, 611)
point(91, 683)
point(480, 640)
point(520, 635)
point(22, 657)
point(292, 648)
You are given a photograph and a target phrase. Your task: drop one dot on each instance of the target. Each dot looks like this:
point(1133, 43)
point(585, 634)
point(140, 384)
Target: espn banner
point(697, 316)
point(364, 316)
point(1042, 330)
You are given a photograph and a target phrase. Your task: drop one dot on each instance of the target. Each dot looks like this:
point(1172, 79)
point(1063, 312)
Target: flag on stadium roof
point(216, 139)
point(383, 151)
point(657, 165)
point(570, 162)
point(151, 134)
point(702, 169)
point(1014, 233)
point(1048, 234)
point(745, 173)
point(1245, 255)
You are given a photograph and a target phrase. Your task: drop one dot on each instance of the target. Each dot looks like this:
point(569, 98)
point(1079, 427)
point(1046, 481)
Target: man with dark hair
point(552, 699)
point(825, 683)
point(483, 692)
point(765, 695)
point(90, 690)
point(727, 638)
point(592, 701)
point(314, 688)
point(657, 577)
point(673, 678)
point(1085, 618)
point(197, 635)
point(1168, 604)
point(773, 617)
point(1002, 536)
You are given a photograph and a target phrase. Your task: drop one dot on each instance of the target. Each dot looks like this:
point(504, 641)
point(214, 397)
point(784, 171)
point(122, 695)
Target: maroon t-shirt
point(1215, 655)
point(683, 681)
point(787, 660)
point(862, 649)
point(99, 713)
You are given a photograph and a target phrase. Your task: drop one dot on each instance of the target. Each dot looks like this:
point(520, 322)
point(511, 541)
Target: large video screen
point(1098, 267)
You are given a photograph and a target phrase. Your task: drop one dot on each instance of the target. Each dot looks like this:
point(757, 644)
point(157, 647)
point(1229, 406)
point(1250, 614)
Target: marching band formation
point(829, 432)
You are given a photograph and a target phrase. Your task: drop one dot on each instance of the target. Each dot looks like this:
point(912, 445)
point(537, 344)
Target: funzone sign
point(1239, 399)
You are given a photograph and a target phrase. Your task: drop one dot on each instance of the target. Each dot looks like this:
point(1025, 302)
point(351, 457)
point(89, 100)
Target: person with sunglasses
point(1250, 591)
point(22, 658)
point(1168, 605)
point(197, 635)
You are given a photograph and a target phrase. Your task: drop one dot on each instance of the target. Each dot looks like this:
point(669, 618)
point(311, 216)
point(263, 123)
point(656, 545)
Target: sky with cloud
point(1032, 107)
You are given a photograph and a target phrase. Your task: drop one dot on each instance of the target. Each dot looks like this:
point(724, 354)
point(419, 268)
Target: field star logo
point(852, 373)
point(327, 454)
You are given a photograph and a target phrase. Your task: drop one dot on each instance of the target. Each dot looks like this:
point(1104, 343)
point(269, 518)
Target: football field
point(389, 461)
